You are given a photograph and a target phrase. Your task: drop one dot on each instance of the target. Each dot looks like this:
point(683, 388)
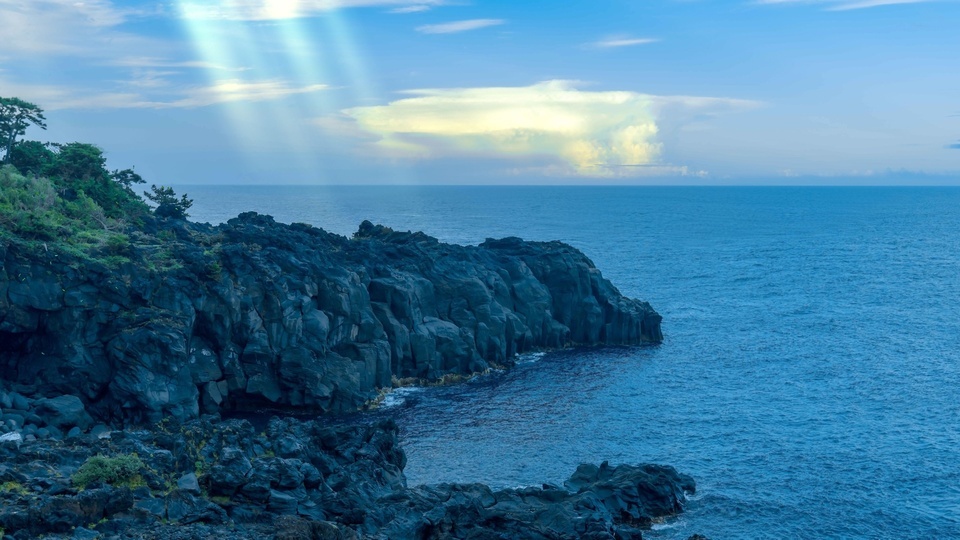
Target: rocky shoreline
point(116, 376)
point(299, 480)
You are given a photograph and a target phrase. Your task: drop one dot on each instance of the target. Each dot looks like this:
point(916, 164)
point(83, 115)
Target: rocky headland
point(121, 378)
point(255, 313)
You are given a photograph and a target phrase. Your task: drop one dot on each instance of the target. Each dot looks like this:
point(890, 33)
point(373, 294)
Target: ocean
point(809, 379)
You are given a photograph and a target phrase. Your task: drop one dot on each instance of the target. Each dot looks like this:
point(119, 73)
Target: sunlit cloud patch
point(586, 133)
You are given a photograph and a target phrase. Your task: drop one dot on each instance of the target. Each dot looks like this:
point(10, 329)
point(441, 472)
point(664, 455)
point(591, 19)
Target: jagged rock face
point(293, 316)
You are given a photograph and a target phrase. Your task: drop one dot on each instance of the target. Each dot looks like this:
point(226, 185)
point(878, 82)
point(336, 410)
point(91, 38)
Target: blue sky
point(438, 91)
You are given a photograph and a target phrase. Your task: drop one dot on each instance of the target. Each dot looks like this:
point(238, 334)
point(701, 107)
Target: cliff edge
point(254, 312)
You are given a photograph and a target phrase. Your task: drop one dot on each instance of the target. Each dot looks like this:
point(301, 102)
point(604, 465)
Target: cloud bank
point(571, 131)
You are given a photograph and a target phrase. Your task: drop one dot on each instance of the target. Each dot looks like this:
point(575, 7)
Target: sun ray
point(277, 41)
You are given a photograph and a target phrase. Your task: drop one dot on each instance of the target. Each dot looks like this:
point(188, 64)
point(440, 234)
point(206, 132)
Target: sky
point(497, 91)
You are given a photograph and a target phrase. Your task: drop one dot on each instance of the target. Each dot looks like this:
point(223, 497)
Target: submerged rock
point(255, 313)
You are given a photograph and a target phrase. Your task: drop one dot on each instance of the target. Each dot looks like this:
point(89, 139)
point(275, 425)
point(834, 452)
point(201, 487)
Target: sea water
point(809, 377)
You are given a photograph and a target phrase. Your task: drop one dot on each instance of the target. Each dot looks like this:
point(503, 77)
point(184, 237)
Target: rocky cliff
point(254, 313)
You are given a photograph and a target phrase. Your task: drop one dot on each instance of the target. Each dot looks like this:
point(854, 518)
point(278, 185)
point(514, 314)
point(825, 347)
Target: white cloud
point(67, 27)
point(265, 10)
point(621, 41)
point(163, 96)
point(147, 62)
point(235, 90)
point(846, 6)
point(417, 8)
point(458, 26)
point(581, 132)
point(843, 5)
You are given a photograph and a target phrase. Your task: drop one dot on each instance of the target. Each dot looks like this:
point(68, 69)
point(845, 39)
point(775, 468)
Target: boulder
point(63, 412)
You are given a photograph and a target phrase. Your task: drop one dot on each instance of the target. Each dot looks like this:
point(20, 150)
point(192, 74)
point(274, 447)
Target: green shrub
point(28, 205)
point(117, 470)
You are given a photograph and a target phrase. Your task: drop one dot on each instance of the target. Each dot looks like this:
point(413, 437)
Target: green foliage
point(32, 157)
point(118, 244)
point(31, 209)
point(62, 198)
point(15, 116)
point(28, 206)
point(80, 167)
point(121, 470)
point(167, 203)
point(127, 177)
point(79, 161)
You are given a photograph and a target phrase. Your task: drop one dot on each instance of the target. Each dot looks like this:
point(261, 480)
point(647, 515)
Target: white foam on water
point(398, 396)
point(671, 523)
point(529, 358)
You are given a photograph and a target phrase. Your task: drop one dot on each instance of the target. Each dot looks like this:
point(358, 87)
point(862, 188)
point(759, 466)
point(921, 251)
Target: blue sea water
point(810, 374)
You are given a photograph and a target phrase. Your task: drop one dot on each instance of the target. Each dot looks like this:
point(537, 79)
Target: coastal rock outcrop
point(254, 313)
point(300, 480)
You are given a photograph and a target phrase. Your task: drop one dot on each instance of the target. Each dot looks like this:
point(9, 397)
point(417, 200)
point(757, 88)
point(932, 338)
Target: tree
point(81, 168)
point(127, 177)
point(167, 203)
point(32, 157)
point(15, 116)
point(80, 162)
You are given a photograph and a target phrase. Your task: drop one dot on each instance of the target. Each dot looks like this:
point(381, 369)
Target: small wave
point(398, 396)
point(669, 523)
point(529, 358)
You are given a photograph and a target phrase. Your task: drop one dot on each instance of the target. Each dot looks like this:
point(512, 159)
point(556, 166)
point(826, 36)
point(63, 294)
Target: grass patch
point(13, 487)
point(122, 470)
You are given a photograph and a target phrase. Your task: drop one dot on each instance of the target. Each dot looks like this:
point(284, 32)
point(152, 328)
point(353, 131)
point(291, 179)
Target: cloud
point(230, 91)
point(458, 26)
point(265, 10)
point(68, 27)
point(411, 9)
point(162, 96)
point(843, 5)
point(847, 6)
point(147, 62)
point(581, 132)
point(620, 41)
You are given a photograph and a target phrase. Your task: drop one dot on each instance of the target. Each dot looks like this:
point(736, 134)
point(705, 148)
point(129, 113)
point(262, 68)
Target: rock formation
point(301, 481)
point(254, 313)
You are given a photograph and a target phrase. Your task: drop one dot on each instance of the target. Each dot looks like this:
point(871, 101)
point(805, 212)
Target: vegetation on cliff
point(63, 198)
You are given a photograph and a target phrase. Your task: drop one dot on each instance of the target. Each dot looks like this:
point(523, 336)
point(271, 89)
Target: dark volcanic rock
point(212, 479)
point(255, 313)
